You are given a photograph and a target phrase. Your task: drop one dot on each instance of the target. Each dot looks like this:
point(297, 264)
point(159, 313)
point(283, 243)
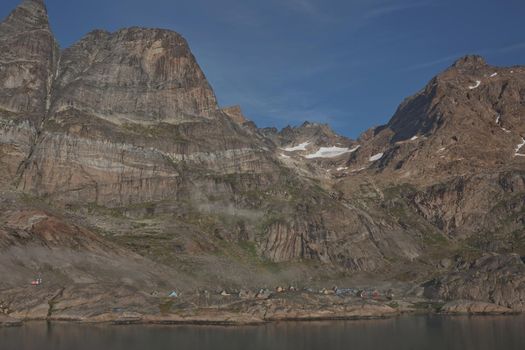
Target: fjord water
point(410, 332)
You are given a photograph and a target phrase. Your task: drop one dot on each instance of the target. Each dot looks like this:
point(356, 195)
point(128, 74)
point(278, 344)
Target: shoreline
point(227, 318)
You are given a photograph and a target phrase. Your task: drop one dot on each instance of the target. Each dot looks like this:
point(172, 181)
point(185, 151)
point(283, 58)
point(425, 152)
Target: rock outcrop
point(466, 307)
point(6, 321)
point(498, 279)
point(235, 114)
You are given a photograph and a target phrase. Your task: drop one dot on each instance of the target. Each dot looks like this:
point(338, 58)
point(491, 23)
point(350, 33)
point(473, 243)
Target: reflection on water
point(410, 332)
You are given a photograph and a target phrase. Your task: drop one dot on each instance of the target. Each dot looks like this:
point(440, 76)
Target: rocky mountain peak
point(148, 75)
point(309, 133)
point(470, 62)
point(29, 15)
point(449, 95)
point(28, 52)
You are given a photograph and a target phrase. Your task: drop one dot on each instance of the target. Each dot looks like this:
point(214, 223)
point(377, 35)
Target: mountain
point(458, 142)
point(119, 172)
point(468, 117)
point(28, 55)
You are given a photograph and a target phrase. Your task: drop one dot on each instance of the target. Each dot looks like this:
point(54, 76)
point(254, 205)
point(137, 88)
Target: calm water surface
point(404, 333)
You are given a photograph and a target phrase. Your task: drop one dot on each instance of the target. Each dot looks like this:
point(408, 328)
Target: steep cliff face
point(476, 204)
point(499, 279)
point(80, 159)
point(339, 235)
point(28, 59)
point(135, 75)
point(127, 112)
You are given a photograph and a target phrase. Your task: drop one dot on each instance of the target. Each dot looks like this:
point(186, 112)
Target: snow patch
point(376, 157)
point(518, 148)
point(498, 122)
point(301, 147)
point(331, 152)
point(414, 138)
point(475, 86)
point(284, 156)
point(493, 75)
point(358, 170)
point(342, 168)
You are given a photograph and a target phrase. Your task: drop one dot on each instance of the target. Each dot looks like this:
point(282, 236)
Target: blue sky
point(348, 63)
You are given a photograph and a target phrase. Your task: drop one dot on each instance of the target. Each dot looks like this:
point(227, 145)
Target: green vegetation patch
point(166, 306)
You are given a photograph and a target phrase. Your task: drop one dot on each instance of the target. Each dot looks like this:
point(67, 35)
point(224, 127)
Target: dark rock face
point(499, 279)
point(459, 208)
point(470, 63)
point(462, 99)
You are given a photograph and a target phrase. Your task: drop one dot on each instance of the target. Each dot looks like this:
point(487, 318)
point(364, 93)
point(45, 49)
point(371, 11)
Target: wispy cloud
point(453, 57)
point(306, 6)
point(390, 8)
point(293, 107)
point(310, 8)
point(432, 63)
point(234, 13)
point(505, 49)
